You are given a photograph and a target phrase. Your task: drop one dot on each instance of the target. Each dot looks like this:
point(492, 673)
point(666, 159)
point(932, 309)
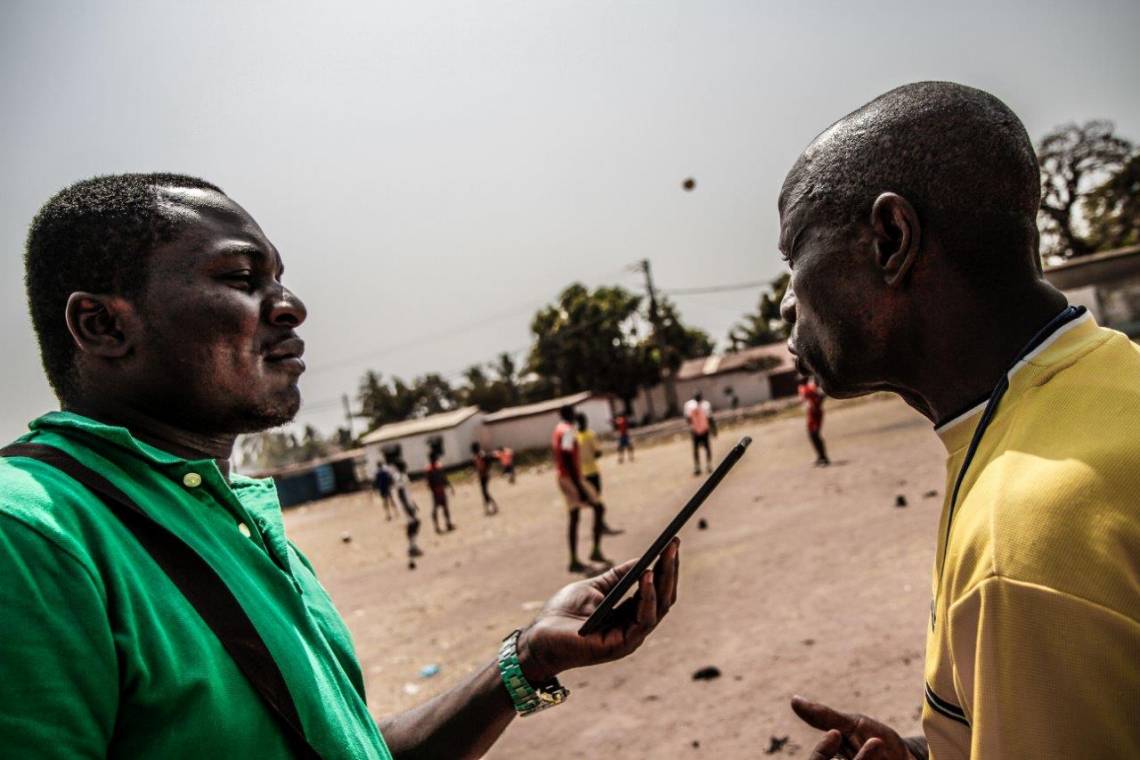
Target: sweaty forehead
point(207, 214)
point(813, 170)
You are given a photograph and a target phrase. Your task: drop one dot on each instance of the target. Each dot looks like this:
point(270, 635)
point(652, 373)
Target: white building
point(531, 426)
point(743, 378)
point(453, 432)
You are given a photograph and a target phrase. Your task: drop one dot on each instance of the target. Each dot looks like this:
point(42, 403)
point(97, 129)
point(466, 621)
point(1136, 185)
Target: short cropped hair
point(959, 155)
point(93, 236)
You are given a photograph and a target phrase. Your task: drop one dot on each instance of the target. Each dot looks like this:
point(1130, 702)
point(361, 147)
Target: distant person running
point(813, 397)
point(577, 491)
point(400, 485)
point(698, 413)
point(621, 424)
point(439, 485)
point(383, 485)
point(482, 462)
point(507, 460)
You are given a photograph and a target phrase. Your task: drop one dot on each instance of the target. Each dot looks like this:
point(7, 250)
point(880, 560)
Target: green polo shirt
point(104, 657)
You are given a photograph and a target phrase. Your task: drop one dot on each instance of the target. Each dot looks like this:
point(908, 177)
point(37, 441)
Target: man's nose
point(788, 305)
point(285, 308)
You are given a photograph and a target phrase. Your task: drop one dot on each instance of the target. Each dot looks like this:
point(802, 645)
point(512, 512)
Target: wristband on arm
point(527, 699)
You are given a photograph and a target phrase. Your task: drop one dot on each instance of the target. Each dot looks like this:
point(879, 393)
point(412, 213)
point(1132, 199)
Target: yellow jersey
point(588, 452)
point(1033, 647)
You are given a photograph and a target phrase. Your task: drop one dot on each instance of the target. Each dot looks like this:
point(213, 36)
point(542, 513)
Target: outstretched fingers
point(821, 716)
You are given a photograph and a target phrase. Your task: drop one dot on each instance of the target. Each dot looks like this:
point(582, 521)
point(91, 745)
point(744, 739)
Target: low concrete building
point(530, 426)
point(411, 440)
point(1107, 283)
point(742, 378)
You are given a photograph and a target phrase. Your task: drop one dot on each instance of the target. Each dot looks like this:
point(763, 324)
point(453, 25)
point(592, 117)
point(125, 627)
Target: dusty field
point(807, 580)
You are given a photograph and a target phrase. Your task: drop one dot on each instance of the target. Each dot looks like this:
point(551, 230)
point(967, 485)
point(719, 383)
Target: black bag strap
point(197, 581)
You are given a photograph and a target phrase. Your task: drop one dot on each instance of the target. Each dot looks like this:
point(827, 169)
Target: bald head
point(960, 156)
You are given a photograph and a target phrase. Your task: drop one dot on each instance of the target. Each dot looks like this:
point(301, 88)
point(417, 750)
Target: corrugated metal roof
point(431, 424)
point(748, 359)
point(1093, 258)
point(541, 407)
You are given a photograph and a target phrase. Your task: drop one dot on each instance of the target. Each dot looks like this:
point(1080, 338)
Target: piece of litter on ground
point(707, 673)
point(900, 501)
point(702, 524)
point(411, 689)
point(534, 605)
point(775, 744)
point(930, 494)
point(427, 671)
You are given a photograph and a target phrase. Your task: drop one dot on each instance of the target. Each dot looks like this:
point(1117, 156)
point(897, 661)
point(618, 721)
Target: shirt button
point(243, 529)
point(191, 480)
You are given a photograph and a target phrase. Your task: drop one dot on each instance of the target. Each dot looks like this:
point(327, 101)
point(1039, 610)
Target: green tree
point(479, 390)
point(506, 373)
point(432, 394)
point(262, 451)
point(584, 341)
point(765, 325)
point(681, 341)
point(382, 402)
point(313, 446)
point(343, 439)
point(1113, 208)
point(1075, 160)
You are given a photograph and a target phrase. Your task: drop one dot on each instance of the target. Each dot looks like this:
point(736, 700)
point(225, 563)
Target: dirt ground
point(806, 581)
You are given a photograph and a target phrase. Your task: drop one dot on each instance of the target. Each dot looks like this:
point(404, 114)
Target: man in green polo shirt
point(165, 331)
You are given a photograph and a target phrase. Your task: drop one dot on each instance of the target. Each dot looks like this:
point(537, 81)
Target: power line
point(717, 288)
point(425, 338)
point(467, 326)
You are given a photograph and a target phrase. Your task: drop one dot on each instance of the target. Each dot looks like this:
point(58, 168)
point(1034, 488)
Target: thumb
point(821, 716)
point(828, 746)
point(610, 578)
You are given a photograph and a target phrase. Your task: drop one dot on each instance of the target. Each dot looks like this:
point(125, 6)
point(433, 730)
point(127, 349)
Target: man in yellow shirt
point(910, 229)
point(588, 454)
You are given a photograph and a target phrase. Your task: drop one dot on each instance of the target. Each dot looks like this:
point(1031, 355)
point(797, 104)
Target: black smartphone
point(606, 608)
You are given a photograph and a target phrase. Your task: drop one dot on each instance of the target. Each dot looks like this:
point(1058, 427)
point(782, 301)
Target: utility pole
point(348, 415)
point(672, 407)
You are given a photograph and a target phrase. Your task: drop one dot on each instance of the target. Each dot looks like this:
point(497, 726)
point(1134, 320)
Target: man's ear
point(896, 237)
point(101, 325)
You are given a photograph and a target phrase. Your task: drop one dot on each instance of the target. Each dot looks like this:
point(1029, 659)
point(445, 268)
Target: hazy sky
point(440, 170)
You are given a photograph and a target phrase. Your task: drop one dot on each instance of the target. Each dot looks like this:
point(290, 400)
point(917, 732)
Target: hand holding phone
point(598, 619)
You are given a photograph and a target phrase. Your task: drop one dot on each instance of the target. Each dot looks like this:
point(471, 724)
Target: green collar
point(67, 423)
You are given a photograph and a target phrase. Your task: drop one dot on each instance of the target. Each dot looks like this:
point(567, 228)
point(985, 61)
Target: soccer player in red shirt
point(813, 400)
point(439, 485)
point(577, 491)
point(621, 424)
